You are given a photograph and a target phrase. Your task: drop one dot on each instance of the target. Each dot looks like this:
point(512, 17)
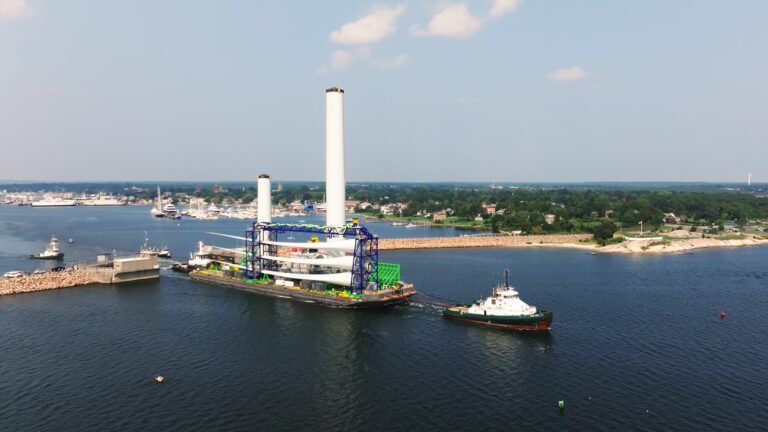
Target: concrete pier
point(124, 269)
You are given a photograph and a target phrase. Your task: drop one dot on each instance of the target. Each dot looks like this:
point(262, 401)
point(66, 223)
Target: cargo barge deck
point(331, 298)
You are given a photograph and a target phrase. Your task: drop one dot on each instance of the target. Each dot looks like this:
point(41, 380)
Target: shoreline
point(568, 241)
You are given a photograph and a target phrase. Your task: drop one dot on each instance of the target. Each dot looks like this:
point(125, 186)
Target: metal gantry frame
point(365, 262)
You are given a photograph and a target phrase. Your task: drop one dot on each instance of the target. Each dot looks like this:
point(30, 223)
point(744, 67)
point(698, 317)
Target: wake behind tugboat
point(503, 309)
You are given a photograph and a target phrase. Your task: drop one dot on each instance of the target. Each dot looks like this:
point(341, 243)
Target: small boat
point(398, 223)
point(146, 249)
point(170, 211)
point(51, 251)
point(164, 252)
point(181, 267)
point(157, 209)
point(410, 225)
point(71, 240)
point(503, 309)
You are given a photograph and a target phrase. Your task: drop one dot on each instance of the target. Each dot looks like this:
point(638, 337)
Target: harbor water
point(637, 342)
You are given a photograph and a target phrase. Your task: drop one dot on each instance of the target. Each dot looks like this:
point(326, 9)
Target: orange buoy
point(722, 314)
point(159, 378)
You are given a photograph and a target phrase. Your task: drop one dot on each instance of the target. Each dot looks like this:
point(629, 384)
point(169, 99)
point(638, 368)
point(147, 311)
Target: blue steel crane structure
point(365, 263)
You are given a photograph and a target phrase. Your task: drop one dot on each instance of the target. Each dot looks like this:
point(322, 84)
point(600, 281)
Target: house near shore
point(393, 208)
point(350, 205)
point(605, 213)
point(670, 218)
point(440, 216)
point(489, 209)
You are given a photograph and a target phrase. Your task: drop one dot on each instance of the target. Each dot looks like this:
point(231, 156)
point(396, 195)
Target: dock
point(108, 270)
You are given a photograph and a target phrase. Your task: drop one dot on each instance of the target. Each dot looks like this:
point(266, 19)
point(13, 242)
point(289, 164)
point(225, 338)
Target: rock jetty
point(499, 241)
point(43, 282)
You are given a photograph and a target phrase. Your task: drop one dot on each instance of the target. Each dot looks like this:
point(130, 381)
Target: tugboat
point(164, 252)
point(51, 251)
point(503, 309)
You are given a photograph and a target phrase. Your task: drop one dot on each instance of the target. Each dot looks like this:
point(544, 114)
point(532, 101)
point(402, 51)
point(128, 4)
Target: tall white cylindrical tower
point(264, 196)
point(335, 190)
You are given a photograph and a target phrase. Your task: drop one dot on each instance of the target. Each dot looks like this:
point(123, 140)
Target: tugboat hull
point(539, 321)
point(57, 257)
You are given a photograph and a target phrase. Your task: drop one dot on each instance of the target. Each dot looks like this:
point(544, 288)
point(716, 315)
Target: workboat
point(164, 252)
point(503, 309)
point(51, 251)
point(145, 249)
point(169, 210)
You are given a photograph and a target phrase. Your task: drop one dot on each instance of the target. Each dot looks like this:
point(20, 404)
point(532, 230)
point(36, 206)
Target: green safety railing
point(389, 274)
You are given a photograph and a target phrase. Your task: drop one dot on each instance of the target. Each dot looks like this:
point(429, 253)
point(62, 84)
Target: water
point(636, 344)
point(26, 230)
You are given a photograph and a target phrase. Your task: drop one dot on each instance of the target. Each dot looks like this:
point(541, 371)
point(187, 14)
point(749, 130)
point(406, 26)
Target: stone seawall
point(484, 241)
point(43, 282)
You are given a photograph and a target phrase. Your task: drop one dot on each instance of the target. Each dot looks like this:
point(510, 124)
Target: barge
point(332, 297)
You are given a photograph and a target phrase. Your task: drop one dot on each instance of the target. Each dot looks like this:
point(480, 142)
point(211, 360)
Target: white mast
point(334, 157)
point(264, 197)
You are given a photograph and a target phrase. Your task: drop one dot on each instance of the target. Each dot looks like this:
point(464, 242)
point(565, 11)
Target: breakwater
point(43, 282)
point(484, 241)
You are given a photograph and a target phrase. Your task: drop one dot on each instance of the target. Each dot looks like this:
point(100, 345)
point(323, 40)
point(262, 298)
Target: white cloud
point(374, 27)
point(342, 59)
point(503, 7)
point(568, 74)
point(394, 63)
point(451, 21)
point(13, 8)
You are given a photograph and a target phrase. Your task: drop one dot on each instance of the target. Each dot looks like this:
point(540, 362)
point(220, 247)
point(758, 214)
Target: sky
point(484, 90)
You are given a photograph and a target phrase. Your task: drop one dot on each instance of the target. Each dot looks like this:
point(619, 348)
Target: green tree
point(605, 231)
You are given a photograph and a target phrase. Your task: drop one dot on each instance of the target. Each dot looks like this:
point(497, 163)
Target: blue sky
point(496, 90)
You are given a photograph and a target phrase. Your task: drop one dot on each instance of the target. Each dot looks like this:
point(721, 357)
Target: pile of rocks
point(482, 241)
point(44, 282)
